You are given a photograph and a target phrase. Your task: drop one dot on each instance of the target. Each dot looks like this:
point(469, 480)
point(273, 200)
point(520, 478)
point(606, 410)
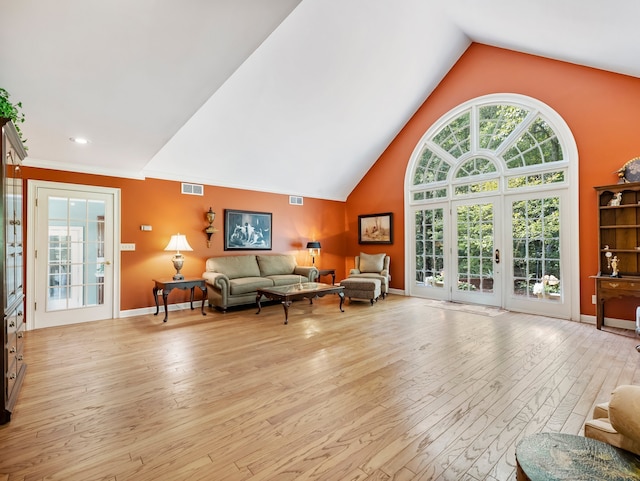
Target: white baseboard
point(151, 310)
point(399, 292)
point(610, 322)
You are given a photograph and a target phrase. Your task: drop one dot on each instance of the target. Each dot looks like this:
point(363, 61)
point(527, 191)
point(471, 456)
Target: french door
point(499, 251)
point(475, 252)
point(73, 256)
point(538, 253)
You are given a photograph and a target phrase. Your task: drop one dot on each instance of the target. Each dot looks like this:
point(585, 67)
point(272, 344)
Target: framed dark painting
point(247, 230)
point(375, 228)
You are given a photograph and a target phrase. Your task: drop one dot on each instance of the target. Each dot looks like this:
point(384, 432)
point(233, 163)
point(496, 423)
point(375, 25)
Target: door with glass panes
point(74, 255)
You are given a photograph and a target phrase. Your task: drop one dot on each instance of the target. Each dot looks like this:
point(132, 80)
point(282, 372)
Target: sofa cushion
point(245, 285)
point(276, 264)
point(371, 262)
point(234, 266)
point(288, 279)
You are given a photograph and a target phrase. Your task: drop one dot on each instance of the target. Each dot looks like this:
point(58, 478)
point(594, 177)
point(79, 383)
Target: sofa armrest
point(217, 279)
point(310, 273)
point(354, 271)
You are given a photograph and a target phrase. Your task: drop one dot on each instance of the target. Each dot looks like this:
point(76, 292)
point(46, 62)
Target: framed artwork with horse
point(247, 230)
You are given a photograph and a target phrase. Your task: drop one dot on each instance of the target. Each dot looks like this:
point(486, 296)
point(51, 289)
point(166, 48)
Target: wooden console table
point(167, 285)
point(610, 288)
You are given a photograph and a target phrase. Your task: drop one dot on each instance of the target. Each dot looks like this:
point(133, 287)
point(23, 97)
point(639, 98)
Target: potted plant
point(11, 111)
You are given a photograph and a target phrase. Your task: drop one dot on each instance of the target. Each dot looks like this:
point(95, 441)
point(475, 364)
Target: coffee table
point(554, 456)
point(287, 294)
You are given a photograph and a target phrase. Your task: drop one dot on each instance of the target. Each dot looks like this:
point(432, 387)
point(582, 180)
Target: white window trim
point(570, 162)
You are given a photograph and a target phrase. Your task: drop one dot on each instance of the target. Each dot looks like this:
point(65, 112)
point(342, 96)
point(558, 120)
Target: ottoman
point(361, 288)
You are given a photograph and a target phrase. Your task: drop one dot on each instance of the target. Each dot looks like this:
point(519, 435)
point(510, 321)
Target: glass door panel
point(475, 260)
point(536, 248)
point(537, 264)
point(75, 266)
point(429, 274)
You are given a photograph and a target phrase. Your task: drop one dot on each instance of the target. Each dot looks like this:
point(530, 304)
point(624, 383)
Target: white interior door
point(74, 262)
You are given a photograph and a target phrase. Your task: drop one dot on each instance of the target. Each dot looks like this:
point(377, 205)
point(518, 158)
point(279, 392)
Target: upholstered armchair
point(618, 422)
point(373, 266)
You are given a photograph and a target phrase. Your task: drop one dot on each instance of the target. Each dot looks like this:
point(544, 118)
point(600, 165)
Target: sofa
point(234, 280)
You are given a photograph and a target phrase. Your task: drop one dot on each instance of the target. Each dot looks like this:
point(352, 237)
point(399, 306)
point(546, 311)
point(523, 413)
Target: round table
point(557, 456)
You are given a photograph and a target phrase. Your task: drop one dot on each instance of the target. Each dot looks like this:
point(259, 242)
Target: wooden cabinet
point(618, 243)
point(11, 266)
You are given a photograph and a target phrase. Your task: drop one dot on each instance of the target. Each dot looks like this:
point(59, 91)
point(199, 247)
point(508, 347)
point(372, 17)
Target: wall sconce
point(210, 230)
point(178, 243)
point(314, 250)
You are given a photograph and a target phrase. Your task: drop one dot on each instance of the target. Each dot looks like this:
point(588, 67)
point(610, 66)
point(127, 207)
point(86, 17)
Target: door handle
point(497, 256)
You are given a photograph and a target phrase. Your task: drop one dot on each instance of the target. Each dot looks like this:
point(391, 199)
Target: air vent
point(192, 189)
point(295, 200)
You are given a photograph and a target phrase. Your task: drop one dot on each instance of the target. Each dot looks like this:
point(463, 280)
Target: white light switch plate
point(127, 247)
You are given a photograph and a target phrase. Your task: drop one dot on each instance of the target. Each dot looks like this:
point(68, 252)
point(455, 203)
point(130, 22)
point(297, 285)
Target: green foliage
point(455, 137)
point(497, 122)
point(11, 111)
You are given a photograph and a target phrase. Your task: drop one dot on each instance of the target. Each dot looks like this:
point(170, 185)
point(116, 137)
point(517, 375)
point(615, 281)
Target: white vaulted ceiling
point(290, 96)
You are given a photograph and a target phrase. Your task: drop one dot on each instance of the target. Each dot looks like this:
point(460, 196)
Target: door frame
point(496, 298)
point(563, 310)
point(32, 187)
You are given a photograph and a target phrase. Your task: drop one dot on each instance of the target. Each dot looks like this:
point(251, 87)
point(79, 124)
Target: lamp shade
point(313, 245)
point(178, 243)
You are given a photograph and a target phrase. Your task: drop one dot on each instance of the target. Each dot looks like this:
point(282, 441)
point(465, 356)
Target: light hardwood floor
point(400, 390)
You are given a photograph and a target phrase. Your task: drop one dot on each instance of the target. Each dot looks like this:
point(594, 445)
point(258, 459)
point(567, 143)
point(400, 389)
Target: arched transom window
point(470, 153)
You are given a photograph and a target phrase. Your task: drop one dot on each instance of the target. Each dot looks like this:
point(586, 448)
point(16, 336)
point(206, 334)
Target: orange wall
point(160, 204)
point(601, 109)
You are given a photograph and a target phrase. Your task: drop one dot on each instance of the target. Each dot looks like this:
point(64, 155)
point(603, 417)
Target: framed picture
point(246, 230)
point(375, 228)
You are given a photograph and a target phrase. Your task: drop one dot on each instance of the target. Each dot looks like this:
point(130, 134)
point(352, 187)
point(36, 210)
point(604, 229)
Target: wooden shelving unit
point(618, 235)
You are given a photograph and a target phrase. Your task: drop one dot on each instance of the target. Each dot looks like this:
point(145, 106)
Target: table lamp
point(314, 250)
point(178, 243)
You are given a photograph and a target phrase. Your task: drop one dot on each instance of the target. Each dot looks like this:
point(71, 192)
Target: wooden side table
point(167, 285)
point(327, 272)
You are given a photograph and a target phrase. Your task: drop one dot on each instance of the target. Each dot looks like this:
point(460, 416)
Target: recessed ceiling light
point(79, 140)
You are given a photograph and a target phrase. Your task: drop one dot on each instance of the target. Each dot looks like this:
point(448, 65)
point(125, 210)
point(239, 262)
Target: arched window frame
point(535, 110)
point(568, 167)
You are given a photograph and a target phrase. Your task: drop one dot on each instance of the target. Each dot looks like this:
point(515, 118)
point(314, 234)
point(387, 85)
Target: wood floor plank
point(401, 390)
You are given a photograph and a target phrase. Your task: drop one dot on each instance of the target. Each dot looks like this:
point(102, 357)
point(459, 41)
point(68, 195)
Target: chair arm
point(217, 279)
point(354, 271)
point(311, 273)
point(624, 407)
